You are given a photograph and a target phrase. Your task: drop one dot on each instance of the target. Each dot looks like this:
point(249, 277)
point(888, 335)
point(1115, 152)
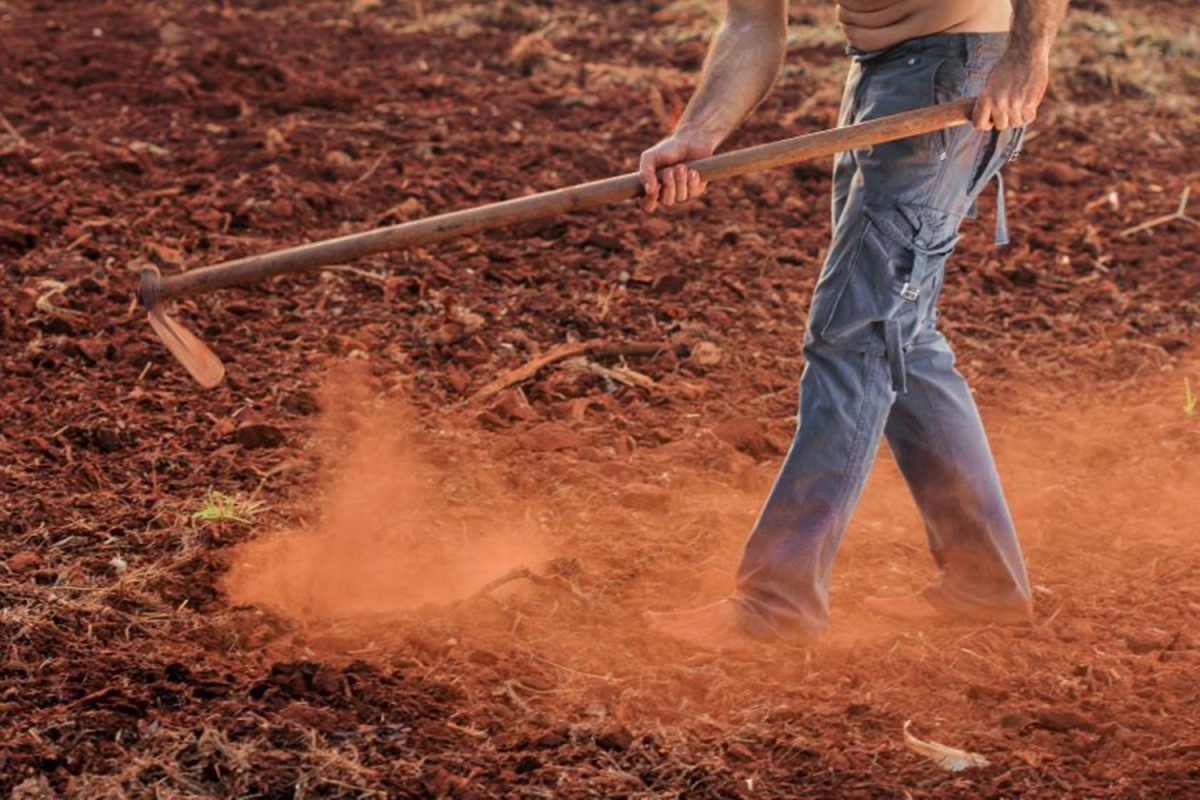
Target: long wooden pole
point(548, 204)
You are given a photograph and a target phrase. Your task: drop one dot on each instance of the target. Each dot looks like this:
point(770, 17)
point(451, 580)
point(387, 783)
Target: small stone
point(209, 218)
point(1078, 630)
point(329, 681)
point(668, 284)
point(467, 29)
point(274, 141)
point(511, 405)
point(1144, 642)
point(165, 257)
point(25, 561)
point(458, 378)
point(657, 227)
point(303, 403)
point(259, 436)
point(107, 440)
point(307, 716)
point(528, 764)
point(1014, 721)
point(538, 681)
point(1060, 174)
point(645, 497)
point(707, 354)
point(550, 436)
point(739, 752)
point(1061, 721)
point(551, 739)
point(749, 436)
point(172, 34)
point(615, 737)
point(483, 658)
point(94, 351)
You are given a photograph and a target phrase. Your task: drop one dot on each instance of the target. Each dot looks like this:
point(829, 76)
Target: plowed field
point(352, 570)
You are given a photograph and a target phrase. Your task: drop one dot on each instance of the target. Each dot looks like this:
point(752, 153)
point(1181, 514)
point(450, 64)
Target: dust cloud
point(1098, 485)
point(388, 537)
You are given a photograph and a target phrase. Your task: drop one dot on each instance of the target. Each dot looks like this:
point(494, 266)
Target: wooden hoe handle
point(548, 204)
point(155, 290)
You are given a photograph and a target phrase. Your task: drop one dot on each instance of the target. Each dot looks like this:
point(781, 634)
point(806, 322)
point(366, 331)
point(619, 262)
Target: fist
point(678, 183)
point(1012, 94)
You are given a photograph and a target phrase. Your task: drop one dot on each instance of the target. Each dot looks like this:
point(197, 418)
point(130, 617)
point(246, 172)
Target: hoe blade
point(195, 356)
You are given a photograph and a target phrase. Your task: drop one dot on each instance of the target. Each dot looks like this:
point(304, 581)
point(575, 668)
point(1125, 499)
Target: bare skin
point(744, 57)
point(748, 51)
point(879, 24)
point(714, 627)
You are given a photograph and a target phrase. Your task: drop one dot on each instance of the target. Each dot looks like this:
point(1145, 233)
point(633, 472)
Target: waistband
point(967, 46)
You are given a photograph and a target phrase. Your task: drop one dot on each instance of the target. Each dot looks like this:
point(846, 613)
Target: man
point(875, 364)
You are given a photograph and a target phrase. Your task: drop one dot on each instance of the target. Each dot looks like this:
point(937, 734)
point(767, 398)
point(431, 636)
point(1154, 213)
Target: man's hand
point(1012, 94)
point(743, 59)
point(1017, 83)
point(678, 182)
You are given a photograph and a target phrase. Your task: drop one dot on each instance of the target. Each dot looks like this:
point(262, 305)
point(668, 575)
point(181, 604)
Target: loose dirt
point(308, 582)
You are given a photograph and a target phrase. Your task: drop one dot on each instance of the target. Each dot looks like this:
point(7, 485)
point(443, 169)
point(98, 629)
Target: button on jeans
point(876, 365)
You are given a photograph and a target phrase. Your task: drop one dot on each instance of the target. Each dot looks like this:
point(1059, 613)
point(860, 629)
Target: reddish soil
point(345, 628)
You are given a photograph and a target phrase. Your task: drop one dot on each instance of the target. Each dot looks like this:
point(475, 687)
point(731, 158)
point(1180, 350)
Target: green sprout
point(1189, 399)
point(219, 506)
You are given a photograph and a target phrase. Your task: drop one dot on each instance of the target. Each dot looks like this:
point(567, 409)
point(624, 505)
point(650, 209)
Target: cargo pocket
point(884, 291)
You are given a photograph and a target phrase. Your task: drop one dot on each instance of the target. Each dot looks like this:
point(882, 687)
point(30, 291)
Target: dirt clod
point(615, 737)
point(25, 561)
point(259, 436)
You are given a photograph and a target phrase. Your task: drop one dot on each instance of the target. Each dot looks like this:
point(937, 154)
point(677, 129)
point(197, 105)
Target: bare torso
point(878, 24)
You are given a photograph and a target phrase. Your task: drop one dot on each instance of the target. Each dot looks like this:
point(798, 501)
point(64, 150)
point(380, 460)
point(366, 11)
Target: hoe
point(156, 291)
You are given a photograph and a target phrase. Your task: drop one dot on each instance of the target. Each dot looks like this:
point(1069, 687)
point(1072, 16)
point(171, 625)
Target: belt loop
point(895, 355)
point(1001, 216)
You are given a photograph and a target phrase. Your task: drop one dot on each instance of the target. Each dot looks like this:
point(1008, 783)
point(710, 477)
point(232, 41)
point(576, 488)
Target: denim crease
point(876, 367)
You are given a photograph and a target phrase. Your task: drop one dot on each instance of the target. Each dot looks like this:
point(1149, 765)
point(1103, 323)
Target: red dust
point(388, 539)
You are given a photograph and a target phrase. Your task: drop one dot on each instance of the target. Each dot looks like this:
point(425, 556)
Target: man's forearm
point(743, 60)
point(1035, 24)
point(1016, 85)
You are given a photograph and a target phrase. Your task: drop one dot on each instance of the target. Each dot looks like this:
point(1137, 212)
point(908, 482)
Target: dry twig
point(570, 350)
point(514, 574)
point(1177, 216)
point(366, 175)
point(13, 133)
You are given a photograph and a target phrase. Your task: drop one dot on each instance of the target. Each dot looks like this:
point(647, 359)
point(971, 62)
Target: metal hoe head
point(197, 359)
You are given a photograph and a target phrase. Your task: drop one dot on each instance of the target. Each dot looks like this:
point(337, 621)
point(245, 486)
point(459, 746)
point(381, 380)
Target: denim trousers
point(876, 366)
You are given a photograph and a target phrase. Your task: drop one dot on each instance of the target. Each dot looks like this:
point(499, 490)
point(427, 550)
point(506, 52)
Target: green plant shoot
point(1189, 399)
point(219, 506)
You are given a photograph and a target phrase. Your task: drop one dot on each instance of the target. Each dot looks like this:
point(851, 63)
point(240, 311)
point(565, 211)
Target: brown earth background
point(343, 573)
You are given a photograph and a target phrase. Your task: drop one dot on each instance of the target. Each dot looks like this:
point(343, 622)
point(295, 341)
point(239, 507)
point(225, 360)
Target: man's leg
point(937, 438)
point(783, 579)
point(844, 396)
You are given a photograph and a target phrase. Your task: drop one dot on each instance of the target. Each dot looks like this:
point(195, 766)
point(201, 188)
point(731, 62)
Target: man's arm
point(744, 57)
point(1016, 85)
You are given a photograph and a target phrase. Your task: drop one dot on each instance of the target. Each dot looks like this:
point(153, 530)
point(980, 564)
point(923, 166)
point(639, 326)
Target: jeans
point(876, 365)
